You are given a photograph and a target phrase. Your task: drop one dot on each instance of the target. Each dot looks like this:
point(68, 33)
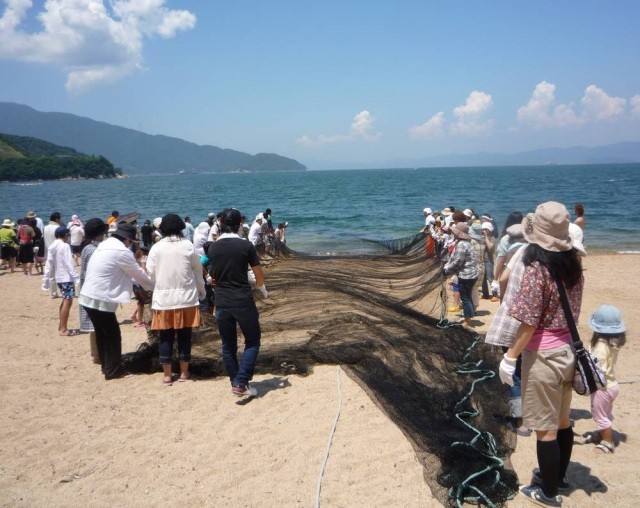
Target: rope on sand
point(333, 430)
point(483, 443)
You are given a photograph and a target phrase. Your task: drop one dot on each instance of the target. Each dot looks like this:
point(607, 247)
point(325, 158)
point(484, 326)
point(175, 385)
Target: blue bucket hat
point(607, 319)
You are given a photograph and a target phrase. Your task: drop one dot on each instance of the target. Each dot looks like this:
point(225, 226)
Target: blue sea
point(331, 211)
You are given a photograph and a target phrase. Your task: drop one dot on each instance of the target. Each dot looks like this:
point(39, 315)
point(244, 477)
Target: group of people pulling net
point(381, 318)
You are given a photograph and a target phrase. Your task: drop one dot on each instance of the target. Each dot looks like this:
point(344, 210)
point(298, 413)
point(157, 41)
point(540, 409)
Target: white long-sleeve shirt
point(176, 270)
point(109, 274)
point(60, 260)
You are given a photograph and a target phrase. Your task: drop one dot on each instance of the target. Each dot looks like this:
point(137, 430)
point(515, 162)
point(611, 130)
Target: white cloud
point(540, 111)
point(361, 129)
point(635, 105)
point(470, 115)
point(600, 106)
point(93, 42)
point(431, 129)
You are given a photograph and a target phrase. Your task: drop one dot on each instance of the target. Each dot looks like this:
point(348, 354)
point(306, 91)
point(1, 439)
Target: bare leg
point(184, 370)
point(65, 308)
point(167, 378)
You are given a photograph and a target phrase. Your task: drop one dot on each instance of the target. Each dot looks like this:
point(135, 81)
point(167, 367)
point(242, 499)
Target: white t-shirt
point(77, 234)
point(254, 232)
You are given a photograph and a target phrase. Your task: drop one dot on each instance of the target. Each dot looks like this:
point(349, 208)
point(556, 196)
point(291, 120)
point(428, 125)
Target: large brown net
point(381, 318)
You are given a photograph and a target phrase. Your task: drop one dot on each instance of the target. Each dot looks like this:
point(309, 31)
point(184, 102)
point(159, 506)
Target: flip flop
point(167, 383)
point(184, 379)
point(70, 333)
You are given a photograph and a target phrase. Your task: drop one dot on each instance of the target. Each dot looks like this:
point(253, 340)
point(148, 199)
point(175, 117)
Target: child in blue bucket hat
point(609, 335)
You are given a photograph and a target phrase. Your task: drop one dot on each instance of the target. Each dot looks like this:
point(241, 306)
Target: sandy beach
point(72, 438)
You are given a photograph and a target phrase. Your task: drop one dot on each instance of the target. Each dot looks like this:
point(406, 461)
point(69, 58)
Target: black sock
point(549, 461)
point(565, 444)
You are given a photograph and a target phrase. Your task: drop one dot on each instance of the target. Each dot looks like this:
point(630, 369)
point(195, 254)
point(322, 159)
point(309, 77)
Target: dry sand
point(72, 438)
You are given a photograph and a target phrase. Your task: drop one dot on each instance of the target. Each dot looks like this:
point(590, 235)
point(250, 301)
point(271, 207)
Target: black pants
point(108, 340)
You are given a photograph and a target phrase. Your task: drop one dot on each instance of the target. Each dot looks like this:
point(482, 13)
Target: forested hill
point(134, 151)
point(27, 158)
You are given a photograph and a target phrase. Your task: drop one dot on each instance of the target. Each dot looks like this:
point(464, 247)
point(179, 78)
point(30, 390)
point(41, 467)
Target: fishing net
point(381, 318)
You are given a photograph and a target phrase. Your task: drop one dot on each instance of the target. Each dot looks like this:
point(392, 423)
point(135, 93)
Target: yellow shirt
point(607, 357)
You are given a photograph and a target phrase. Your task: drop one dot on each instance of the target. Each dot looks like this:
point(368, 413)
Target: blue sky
point(332, 82)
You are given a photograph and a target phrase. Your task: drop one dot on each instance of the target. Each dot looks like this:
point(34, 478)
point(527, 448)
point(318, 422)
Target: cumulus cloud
point(541, 110)
point(361, 129)
point(635, 105)
point(432, 129)
point(93, 42)
point(470, 115)
point(600, 106)
point(470, 120)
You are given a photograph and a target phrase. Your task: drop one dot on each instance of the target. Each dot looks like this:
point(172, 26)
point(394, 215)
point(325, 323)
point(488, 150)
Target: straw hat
point(548, 227)
point(31, 215)
point(446, 211)
point(8, 224)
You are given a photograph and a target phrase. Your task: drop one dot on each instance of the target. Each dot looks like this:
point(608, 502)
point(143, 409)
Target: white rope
point(333, 430)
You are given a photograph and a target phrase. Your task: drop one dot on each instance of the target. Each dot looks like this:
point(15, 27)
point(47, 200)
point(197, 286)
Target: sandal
point(70, 333)
point(184, 379)
point(167, 381)
point(605, 447)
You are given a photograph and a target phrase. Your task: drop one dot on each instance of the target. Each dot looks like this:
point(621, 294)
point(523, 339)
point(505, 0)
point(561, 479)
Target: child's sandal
point(605, 447)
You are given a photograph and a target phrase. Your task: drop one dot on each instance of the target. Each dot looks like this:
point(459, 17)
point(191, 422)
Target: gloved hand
point(507, 369)
point(45, 284)
point(263, 290)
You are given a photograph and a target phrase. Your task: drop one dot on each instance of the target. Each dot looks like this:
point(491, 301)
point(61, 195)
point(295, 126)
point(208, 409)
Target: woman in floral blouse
point(544, 339)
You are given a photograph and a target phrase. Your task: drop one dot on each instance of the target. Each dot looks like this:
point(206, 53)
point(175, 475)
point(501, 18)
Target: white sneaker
point(244, 391)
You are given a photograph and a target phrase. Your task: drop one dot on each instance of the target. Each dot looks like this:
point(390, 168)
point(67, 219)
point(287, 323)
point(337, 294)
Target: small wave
point(629, 252)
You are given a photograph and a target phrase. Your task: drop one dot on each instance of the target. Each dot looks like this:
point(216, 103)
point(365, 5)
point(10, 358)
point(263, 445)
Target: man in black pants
point(230, 258)
point(107, 284)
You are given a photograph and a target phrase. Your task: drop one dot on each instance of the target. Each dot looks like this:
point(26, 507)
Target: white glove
point(45, 284)
point(507, 369)
point(263, 290)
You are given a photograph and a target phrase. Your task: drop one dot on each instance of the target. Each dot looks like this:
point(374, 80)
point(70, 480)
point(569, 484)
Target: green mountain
point(134, 151)
point(28, 158)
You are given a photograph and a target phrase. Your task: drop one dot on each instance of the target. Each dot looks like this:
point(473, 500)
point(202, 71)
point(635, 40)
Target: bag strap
point(575, 336)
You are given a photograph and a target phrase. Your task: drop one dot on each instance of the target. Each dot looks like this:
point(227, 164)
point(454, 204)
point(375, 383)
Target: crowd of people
point(181, 270)
point(537, 257)
point(185, 270)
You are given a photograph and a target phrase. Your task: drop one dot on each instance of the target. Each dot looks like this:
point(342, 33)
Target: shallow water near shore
point(331, 211)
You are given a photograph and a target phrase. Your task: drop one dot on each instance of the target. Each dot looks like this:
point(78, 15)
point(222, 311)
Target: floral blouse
point(537, 301)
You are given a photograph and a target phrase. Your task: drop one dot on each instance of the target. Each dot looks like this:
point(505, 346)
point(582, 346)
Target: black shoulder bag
point(589, 376)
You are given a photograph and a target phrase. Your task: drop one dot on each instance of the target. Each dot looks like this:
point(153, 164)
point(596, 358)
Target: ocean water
point(331, 211)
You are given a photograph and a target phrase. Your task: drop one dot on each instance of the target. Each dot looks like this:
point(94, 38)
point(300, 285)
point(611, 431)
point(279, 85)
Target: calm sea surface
point(330, 211)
